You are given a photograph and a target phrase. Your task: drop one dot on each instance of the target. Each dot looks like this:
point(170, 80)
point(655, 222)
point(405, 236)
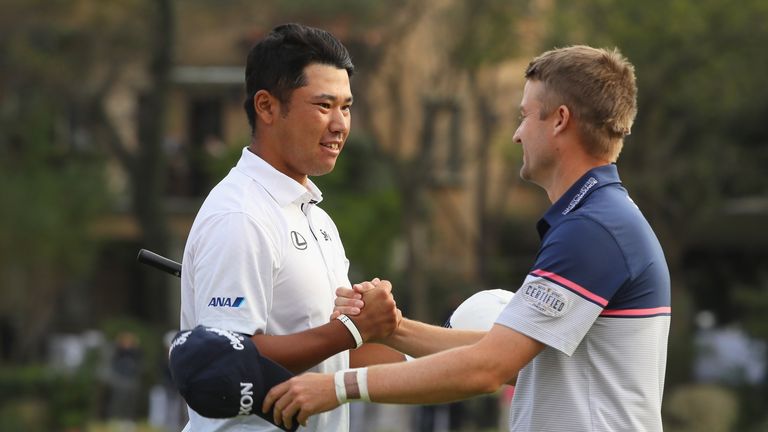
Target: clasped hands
point(372, 308)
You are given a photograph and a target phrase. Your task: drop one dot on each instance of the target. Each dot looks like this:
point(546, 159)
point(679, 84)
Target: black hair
point(276, 63)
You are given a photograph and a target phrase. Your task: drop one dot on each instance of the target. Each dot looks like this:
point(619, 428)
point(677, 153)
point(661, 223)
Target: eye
point(324, 105)
point(346, 107)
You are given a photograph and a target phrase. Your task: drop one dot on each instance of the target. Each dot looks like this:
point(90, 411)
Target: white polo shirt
point(262, 257)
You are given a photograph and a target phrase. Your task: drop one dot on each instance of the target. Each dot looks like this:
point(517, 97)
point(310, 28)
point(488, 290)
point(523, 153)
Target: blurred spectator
point(167, 410)
point(727, 355)
point(123, 382)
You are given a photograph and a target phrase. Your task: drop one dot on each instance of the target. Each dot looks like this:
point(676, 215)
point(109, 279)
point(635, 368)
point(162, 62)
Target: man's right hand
point(379, 316)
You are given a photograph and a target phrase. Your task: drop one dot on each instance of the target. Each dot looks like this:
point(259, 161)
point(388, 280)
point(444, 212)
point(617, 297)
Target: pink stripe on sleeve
point(572, 286)
point(638, 312)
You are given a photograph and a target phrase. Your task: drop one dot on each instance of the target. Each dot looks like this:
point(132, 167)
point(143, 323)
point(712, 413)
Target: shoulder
point(580, 238)
point(237, 213)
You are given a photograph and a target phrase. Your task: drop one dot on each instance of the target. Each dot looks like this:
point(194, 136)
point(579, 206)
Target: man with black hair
point(262, 258)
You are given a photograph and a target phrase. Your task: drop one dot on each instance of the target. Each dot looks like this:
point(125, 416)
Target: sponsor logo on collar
point(579, 196)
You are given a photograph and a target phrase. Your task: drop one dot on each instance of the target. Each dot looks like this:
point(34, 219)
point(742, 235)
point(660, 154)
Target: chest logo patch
point(298, 240)
point(546, 298)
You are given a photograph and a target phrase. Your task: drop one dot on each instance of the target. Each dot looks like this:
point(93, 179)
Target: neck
point(568, 173)
point(273, 159)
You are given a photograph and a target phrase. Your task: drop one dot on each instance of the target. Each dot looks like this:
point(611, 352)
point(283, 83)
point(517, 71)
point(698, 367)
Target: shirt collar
point(283, 189)
point(578, 192)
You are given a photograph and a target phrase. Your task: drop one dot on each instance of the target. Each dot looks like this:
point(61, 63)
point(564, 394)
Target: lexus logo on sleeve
point(298, 241)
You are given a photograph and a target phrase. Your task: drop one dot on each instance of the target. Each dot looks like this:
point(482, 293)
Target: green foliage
point(488, 31)
point(49, 192)
point(53, 176)
point(40, 399)
point(752, 301)
point(365, 12)
point(700, 66)
point(361, 198)
point(49, 196)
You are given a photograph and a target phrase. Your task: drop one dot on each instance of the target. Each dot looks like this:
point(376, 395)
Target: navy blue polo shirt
point(598, 297)
point(597, 238)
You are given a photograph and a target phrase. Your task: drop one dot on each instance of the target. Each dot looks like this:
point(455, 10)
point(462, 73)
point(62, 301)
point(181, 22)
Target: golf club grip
point(159, 262)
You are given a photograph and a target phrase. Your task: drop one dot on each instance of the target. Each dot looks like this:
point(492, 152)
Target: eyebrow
point(330, 97)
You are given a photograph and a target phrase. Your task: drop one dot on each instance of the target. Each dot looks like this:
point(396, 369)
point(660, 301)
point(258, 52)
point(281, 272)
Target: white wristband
point(351, 385)
point(352, 329)
point(341, 391)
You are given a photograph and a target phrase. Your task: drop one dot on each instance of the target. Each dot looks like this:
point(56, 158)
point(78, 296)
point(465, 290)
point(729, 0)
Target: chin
point(319, 171)
point(524, 174)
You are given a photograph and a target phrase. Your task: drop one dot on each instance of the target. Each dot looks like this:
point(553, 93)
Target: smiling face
point(535, 135)
point(309, 132)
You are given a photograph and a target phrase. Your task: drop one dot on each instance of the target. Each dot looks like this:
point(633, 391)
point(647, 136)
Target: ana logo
point(298, 241)
point(226, 302)
point(546, 298)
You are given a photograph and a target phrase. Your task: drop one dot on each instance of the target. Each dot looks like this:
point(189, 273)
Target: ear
point(562, 119)
point(266, 106)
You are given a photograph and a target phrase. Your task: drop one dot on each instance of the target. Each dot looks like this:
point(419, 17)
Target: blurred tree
point(486, 34)
point(49, 192)
point(53, 181)
point(144, 48)
point(700, 97)
point(61, 66)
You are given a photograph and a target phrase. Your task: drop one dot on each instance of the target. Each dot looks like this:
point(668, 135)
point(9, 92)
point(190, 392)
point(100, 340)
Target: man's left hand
point(305, 395)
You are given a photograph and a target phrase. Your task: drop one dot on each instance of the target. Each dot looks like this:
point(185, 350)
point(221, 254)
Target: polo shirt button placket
point(327, 260)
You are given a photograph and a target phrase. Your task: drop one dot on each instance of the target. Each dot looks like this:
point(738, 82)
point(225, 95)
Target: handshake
point(371, 308)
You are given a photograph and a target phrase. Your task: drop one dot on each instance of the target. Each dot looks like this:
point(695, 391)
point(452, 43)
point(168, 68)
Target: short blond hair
point(598, 87)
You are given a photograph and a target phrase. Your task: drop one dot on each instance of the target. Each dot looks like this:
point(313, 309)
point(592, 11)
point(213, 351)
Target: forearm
point(456, 373)
point(447, 376)
point(418, 339)
point(374, 353)
point(444, 377)
point(300, 351)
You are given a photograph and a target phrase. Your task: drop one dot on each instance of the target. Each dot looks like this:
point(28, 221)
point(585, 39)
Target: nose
point(340, 121)
point(516, 137)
